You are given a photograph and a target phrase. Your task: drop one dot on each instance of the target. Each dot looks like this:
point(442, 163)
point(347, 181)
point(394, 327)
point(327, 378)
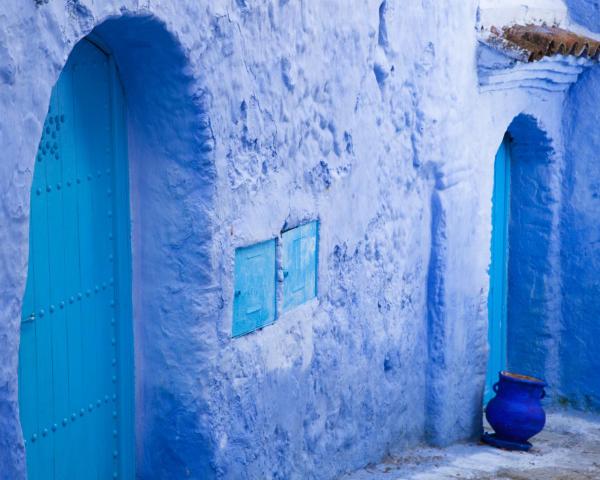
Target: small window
point(254, 293)
point(299, 260)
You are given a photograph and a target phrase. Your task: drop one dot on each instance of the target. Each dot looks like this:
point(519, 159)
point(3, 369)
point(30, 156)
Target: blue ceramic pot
point(516, 412)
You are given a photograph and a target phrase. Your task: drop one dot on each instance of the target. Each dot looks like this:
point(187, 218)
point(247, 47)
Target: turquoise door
point(75, 361)
point(497, 300)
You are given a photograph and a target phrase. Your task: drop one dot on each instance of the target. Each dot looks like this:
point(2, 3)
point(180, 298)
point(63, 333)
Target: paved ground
point(568, 449)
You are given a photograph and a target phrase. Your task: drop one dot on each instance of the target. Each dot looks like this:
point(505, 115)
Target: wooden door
point(75, 362)
point(498, 293)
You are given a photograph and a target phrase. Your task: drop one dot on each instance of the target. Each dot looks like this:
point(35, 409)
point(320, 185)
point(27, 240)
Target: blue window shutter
point(254, 292)
point(75, 352)
point(300, 252)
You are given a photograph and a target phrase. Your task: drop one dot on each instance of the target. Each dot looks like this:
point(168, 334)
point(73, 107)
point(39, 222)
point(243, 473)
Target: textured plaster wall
point(505, 12)
point(580, 252)
point(244, 118)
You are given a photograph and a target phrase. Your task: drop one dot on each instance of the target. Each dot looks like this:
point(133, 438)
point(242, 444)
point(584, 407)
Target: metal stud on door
point(76, 304)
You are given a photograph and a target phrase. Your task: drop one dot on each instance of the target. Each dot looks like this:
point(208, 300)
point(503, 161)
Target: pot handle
point(543, 395)
point(495, 387)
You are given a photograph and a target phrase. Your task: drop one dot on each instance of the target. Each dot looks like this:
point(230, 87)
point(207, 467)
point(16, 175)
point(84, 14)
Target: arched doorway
point(75, 366)
point(498, 292)
point(524, 295)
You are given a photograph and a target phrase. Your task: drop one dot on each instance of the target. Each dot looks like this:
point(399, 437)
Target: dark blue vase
point(516, 412)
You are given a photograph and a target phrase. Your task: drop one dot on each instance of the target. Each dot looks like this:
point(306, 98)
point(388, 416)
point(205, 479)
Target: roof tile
point(539, 41)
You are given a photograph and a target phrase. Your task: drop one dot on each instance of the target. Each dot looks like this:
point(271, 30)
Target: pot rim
point(520, 378)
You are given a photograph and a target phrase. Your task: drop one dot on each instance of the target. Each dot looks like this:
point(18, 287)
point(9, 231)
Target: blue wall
point(532, 282)
point(554, 286)
point(585, 12)
point(245, 118)
point(554, 259)
point(580, 259)
point(580, 252)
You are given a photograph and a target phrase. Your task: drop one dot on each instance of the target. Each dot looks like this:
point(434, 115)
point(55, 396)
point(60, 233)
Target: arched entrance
point(524, 298)
point(498, 292)
point(75, 365)
point(175, 281)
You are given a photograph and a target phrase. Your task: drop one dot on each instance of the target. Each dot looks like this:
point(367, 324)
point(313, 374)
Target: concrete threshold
point(567, 449)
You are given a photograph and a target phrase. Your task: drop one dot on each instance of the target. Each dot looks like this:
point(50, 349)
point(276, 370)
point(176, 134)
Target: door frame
point(499, 250)
point(123, 267)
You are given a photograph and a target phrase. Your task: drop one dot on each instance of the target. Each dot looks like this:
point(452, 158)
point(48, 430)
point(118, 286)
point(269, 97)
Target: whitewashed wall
point(246, 116)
